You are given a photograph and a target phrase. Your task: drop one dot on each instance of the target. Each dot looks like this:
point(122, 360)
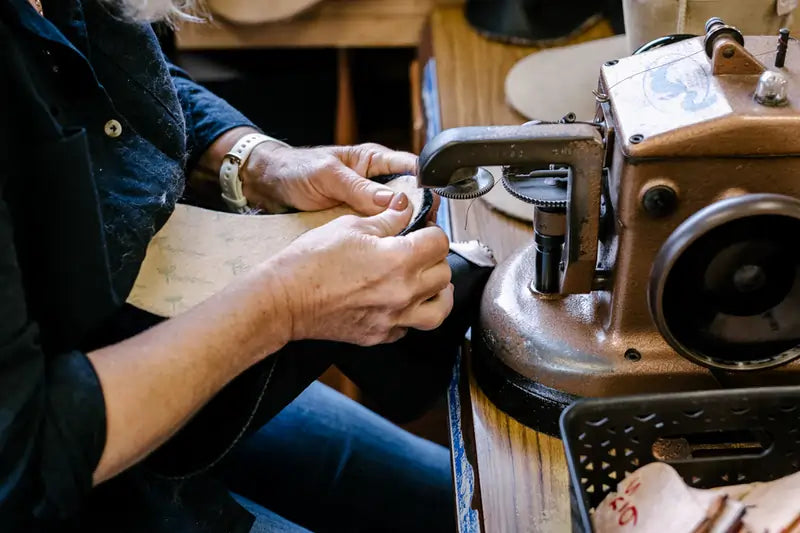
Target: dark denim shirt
point(97, 130)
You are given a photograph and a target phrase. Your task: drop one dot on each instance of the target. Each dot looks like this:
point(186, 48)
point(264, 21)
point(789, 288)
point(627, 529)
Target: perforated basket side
point(606, 439)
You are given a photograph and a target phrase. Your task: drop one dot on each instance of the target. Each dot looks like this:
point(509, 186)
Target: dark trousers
point(327, 464)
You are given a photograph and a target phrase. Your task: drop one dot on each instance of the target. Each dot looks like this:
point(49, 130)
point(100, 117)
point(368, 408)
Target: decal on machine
point(665, 89)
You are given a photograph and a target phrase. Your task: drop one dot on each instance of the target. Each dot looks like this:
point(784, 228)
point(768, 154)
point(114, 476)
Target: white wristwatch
point(229, 179)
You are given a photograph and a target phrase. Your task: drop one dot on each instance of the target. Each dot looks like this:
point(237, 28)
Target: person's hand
point(311, 179)
point(354, 281)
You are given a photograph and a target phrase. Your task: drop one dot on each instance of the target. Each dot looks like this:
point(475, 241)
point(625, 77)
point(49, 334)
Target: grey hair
point(169, 11)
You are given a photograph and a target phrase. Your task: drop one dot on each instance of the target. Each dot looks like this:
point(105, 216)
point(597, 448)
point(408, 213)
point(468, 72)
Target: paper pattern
point(198, 251)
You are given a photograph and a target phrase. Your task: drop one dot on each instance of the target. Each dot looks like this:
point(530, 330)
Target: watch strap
point(229, 180)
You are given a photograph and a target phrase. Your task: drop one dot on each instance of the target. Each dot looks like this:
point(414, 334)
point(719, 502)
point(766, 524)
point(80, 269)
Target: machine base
point(534, 356)
point(530, 403)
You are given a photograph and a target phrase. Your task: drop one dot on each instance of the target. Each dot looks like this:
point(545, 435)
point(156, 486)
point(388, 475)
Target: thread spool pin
point(783, 46)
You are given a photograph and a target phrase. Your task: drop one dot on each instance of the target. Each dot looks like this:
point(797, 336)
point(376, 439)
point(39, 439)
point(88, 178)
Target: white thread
point(626, 78)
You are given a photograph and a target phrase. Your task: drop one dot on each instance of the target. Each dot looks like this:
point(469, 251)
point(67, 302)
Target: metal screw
point(659, 201)
point(633, 355)
point(772, 89)
point(568, 118)
point(600, 97)
point(728, 52)
point(611, 63)
point(636, 139)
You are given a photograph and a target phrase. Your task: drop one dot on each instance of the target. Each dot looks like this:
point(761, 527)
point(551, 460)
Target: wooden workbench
point(519, 476)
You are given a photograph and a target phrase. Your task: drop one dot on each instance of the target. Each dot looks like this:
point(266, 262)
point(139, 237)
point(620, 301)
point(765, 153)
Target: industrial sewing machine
point(665, 252)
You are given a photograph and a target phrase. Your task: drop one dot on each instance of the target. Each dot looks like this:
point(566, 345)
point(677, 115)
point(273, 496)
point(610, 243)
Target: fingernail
point(382, 197)
point(399, 202)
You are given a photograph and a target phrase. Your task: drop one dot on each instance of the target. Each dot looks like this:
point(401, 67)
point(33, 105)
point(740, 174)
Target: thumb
point(365, 196)
point(393, 220)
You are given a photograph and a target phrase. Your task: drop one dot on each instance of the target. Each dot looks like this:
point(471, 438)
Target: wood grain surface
point(331, 24)
point(522, 474)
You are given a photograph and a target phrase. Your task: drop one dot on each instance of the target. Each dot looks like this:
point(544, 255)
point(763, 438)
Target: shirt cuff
point(207, 117)
point(75, 430)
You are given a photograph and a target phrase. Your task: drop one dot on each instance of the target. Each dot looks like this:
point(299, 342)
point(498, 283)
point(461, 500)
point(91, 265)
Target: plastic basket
point(605, 439)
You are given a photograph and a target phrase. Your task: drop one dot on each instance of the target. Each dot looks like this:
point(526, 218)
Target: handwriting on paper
point(623, 506)
point(198, 252)
point(645, 502)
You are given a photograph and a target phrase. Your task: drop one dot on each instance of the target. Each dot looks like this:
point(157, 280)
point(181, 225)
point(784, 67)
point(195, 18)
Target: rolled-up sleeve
point(52, 413)
point(207, 115)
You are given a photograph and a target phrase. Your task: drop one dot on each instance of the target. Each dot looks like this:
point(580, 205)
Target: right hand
point(353, 280)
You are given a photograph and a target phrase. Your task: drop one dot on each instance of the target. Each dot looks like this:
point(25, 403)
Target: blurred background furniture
point(338, 71)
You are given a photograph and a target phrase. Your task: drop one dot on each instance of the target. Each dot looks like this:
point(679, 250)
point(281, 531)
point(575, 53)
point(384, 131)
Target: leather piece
point(540, 88)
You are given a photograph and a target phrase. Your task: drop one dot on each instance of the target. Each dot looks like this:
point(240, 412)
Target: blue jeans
point(326, 463)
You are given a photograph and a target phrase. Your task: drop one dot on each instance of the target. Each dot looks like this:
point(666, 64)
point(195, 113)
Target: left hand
point(311, 179)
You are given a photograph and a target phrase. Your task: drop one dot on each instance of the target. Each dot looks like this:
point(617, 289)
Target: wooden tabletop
point(521, 474)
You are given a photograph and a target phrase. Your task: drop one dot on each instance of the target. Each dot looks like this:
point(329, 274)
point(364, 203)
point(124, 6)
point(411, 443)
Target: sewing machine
point(663, 256)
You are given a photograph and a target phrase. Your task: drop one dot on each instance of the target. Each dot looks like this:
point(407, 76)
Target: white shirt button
point(113, 128)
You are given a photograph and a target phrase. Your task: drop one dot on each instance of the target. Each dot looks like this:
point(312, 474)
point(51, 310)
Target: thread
point(678, 60)
point(466, 215)
point(469, 207)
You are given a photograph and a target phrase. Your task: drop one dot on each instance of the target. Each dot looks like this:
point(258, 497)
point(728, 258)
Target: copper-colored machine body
point(688, 137)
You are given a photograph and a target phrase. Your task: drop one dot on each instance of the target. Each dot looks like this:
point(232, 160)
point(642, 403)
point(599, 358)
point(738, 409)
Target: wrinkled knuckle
point(410, 251)
point(360, 185)
point(373, 334)
point(401, 297)
point(368, 340)
point(409, 297)
point(326, 163)
point(447, 275)
point(349, 220)
point(448, 308)
point(442, 243)
point(438, 319)
point(397, 257)
point(371, 147)
point(427, 325)
point(379, 323)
